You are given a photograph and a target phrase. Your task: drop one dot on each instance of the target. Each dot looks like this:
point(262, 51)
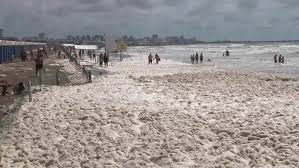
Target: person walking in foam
point(201, 58)
point(157, 58)
point(150, 59)
point(275, 58)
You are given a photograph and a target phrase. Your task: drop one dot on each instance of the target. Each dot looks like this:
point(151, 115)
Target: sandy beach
point(167, 115)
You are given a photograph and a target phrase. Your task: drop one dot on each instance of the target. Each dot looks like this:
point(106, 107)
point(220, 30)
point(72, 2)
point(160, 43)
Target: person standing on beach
point(45, 52)
point(106, 59)
point(196, 58)
point(192, 59)
point(4, 85)
point(157, 58)
point(101, 59)
point(201, 58)
point(275, 58)
point(31, 55)
point(80, 54)
point(59, 54)
point(227, 53)
point(39, 63)
point(89, 54)
point(94, 57)
point(23, 56)
point(280, 58)
point(150, 59)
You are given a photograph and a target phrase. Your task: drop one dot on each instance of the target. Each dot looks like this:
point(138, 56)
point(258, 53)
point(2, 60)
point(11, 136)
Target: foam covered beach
point(168, 115)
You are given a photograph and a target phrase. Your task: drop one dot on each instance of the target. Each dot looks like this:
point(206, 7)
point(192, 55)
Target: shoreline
point(244, 71)
point(165, 115)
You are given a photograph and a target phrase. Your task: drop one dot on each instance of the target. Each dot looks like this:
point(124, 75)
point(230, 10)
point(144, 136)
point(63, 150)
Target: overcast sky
point(204, 19)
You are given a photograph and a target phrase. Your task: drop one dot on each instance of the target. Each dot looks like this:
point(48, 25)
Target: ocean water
point(256, 57)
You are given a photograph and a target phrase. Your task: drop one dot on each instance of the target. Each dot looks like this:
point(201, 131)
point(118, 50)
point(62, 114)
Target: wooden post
point(57, 76)
point(89, 77)
point(29, 91)
point(129, 55)
point(120, 56)
point(83, 69)
point(40, 79)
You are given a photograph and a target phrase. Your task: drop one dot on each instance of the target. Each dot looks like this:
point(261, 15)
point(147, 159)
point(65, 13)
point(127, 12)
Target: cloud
point(208, 19)
point(248, 5)
point(135, 3)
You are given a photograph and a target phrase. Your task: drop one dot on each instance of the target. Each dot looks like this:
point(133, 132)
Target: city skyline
point(204, 19)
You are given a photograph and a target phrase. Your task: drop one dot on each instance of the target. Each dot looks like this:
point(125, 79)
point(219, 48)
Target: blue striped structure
point(10, 52)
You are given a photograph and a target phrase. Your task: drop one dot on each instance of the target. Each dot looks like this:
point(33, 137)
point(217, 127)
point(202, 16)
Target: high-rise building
point(42, 36)
point(155, 38)
point(1, 33)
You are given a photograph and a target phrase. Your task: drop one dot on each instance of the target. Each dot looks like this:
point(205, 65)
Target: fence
point(83, 68)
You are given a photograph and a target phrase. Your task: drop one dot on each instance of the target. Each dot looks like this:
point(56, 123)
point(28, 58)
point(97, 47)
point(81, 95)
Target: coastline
point(167, 115)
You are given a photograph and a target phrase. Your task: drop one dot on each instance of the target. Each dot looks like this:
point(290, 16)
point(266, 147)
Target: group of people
point(151, 58)
point(18, 89)
point(196, 57)
point(103, 58)
point(279, 59)
point(91, 54)
point(41, 52)
point(81, 52)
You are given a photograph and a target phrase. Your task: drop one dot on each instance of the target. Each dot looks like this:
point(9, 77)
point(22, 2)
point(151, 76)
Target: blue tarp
point(8, 53)
point(1, 55)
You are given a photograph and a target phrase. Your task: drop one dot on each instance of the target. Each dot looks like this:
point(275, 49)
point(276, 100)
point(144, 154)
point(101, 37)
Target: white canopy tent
point(68, 45)
point(86, 47)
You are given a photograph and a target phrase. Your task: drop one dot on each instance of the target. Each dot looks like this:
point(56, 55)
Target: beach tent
point(68, 45)
point(10, 50)
point(1, 54)
point(86, 47)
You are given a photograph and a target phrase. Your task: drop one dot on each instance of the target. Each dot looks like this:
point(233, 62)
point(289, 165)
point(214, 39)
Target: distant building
point(1, 33)
point(155, 38)
point(42, 36)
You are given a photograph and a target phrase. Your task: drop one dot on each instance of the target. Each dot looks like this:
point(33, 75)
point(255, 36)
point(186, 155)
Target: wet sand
point(168, 115)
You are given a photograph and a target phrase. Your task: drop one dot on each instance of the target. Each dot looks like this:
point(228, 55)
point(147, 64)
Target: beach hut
point(86, 47)
point(1, 54)
point(10, 50)
point(68, 45)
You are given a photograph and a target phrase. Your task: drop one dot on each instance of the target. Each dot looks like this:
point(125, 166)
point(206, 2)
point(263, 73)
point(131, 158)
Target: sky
point(204, 19)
